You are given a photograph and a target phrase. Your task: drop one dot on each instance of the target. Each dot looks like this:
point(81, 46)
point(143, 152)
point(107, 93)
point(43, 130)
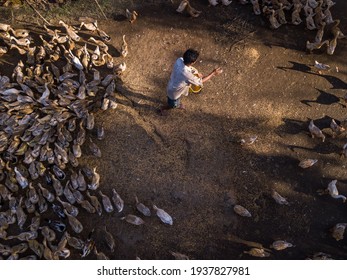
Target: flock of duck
point(47, 110)
point(315, 13)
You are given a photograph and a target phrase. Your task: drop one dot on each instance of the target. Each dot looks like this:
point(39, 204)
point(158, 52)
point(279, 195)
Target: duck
point(338, 231)
point(226, 2)
point(40, 55)
point(163, 215)
point(117, 201)
point(131, 16)
point(124, 49)
point(36, 247)
point(308, 9)
point(46, 193)
point(328, 18)
point(71, 209)
point(22, 181)
point(4, 50)
point(71, 32)
point(242, 211)
point(212, 2)
point(49, 31)
point(24, 42)
point(96, 54)
point(32, 194)
point(68, 193)
point(296, 19)
point(143, 209)
point(337, 129)
point(179, 256)
point(256, 7)
point(281, 15)
point(94, 148)
point(310, 25)
point(74, 242)
point(85, 58)
point(103, 47)
point(280, 245)
point(306, 163)
point(100, 255)
point(95, 202)
point(20, 50)
point(313, 3)
point(75, 224)
point(279, 199)
point(332, 44)
point(85, 204)
point(315, 45)
point(21, 33)
point(287, 5)
point(318, 16)
point(273, 21)
point(315, 131)
point(82, 185)
point(94, 184)
point(109, 239)
point(59, 190)
point(21, 216)
point(106, 202)
point(5, 27)
point(48, 233)
point(257, 252)
point(336, 31)
point(100, 132)
point(59, 39)
point(48, 47)
point(192, 12)
point(183, 5)
point(108, 60)
point(91, 26)
point(320, 33)
point(133, 219)
point(103, 35)
point(119, 68)
point(333, 192)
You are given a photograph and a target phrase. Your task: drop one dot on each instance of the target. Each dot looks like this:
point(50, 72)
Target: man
point(182, 78)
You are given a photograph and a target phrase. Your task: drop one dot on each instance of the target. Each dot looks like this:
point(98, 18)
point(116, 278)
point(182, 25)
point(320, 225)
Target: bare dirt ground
point(191, 163)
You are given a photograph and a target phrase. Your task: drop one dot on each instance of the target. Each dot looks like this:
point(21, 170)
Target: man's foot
point(181, 106)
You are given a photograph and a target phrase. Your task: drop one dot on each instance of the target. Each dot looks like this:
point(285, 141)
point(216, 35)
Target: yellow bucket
point(194, 88)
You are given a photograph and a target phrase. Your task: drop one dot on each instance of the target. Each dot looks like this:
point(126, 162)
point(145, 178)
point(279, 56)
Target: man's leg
point(171, 104)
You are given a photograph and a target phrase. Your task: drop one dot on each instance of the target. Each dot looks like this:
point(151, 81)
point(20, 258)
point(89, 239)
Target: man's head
point(190, 56)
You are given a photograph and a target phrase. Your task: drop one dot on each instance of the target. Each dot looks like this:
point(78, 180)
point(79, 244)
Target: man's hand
point(218, 71)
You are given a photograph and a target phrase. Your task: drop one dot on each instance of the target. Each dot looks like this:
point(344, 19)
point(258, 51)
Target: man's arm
point(215, 72)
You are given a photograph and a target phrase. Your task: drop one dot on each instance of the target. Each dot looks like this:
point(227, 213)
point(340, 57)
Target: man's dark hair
point(190, 56)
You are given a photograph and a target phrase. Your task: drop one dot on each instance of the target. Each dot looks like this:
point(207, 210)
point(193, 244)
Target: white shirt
point(180, 80)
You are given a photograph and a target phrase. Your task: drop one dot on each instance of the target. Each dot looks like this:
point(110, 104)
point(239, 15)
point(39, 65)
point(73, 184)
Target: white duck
point(24, 42)
point(213, 2)
point(313, 3)
point(226, 2)
point(75, 61)
point(315, 45)
point(315, 131)
point(334, 193)
point(310, 22)
point(5, 27)
point(320, 33)
point(256, 7)
point(273, 21)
